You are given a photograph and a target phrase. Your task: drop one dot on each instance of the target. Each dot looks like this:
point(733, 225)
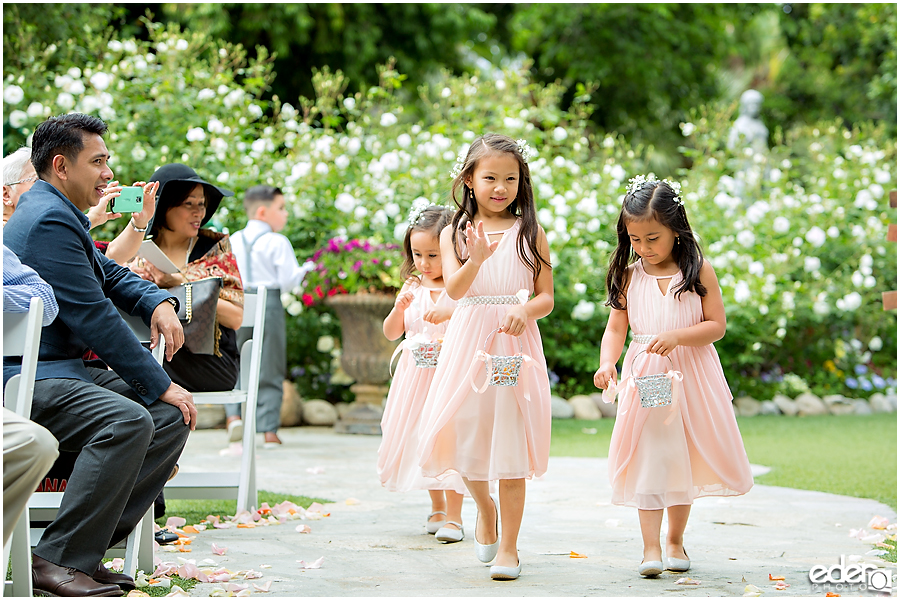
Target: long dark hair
point(654, 200)
point(431, 220)
point(522, 207)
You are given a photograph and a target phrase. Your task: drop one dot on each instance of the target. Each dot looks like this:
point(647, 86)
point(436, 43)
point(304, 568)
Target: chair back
point(22, 337)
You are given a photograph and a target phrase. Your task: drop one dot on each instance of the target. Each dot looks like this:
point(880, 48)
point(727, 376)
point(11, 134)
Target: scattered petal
point(137, 594)
point(871, 539)
point(246, 525)
point(116, 564)
point(263, 588)
point(265, 566)
point(189, 571)
point(173, 523)
point(574, 554)
point(192, 529)
point(688, 581)
point(876, 552)
point(177, 591)
point(832, 595)
point(351, 501)
point(233, 449)
point(208, 562)
point(776, 577)
point(612, 522)
point(316, 507)
point(217, 550)
point(314, 565)
point(878, 522)
point(752, 590)
point(163, 582)
point(304, 528)
point(236, 587)
point(782, 585)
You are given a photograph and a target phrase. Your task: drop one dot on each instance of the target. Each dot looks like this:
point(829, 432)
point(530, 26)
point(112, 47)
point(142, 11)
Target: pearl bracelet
point(136, 228)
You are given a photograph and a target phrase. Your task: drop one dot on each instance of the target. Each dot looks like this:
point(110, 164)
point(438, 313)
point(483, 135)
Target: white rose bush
point(797, 235)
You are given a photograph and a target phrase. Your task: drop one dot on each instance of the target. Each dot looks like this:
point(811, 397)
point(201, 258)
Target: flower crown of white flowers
point(418, 207)
point(528, 153)
point(635, 184)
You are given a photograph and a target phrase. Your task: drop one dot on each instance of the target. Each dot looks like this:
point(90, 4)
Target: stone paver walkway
point(378, 547)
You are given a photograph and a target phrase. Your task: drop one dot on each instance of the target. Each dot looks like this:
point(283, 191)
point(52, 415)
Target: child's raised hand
point(437, 315)
point(605, 375)
point(404, 300)
point(478, 244)
point(663, 344)
point(514, 320)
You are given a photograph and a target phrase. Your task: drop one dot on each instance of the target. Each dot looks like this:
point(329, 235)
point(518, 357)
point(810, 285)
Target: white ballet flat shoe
point(678, 565)
point(499, 573)
point(433, 526)
point(448, 535)
point(650, 568)
point(488, 552)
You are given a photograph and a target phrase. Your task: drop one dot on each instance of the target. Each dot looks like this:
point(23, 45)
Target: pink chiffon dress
point(669, 455)
point(398, 459)
point(500, 432)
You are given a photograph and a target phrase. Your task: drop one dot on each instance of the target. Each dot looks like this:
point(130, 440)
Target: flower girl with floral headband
point(487, 416)
point(675, 437)
point(421, 311)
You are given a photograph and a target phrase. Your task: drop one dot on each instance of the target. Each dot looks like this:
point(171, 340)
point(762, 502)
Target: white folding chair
point(21, 337)
point(237, 484)
point(43, 506)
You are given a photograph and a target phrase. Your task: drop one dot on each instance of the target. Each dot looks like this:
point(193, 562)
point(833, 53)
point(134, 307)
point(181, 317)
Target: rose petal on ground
point(574, 554)
point(776, 577)
point(116, 564)
point(303, 528)
point(316, 507)
point(137, 594)
point(208, 562)
point(878, 522)
point(263, 588)
point(246, 525)
point(191, 529)
point(220, 578)
point(782, 585)
point(233, 449)
point(218, 550)
point(249, 574)
point(236, 587)
point(688, 581)
point(189, 571)
point(857, 533)
point(832, 595)
point(871, 539)
point(165, 568)
point(876, 552)
point(314, 565)
point(351, 501)
point(217, 592)
point(163, 582)
point(752, 590)
point(177, 591)
point(316, 470)
point(175, 523)
point(265, 566)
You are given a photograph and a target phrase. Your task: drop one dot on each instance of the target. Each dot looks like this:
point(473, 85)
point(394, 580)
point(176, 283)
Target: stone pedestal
point(365, 356)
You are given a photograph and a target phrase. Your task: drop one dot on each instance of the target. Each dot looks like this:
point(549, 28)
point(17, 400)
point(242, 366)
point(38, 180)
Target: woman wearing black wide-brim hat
point(185, 202)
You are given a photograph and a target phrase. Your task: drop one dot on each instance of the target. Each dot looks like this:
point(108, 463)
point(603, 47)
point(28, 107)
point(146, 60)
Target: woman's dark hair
point(61, 135)
point(654, 200)
point(522, 207)
point(174, 194)
point(431, 220)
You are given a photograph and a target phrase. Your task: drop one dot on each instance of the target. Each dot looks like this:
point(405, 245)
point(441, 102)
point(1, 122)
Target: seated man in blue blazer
point(128, 424)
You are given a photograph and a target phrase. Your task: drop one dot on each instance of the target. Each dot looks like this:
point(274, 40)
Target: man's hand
point(180, 398)
point(164, 321)
point(97, 214)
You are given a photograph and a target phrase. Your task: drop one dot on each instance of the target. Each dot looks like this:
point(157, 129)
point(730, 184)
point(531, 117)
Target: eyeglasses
point(26, 180)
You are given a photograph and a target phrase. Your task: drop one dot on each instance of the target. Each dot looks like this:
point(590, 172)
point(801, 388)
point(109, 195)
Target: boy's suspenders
point(248, 249)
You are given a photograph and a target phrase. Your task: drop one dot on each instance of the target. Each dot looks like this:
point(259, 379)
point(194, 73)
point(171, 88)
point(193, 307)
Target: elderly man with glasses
point(18, 177)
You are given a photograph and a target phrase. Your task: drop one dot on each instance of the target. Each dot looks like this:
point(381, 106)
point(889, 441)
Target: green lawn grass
point(195, 511)
point(854, 455)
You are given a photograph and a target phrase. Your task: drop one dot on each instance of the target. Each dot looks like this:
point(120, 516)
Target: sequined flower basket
point(654, 390)
point(425, 354)
point(502, 370)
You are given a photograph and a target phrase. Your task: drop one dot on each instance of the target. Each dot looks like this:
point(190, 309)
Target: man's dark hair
point(260, 194)
point(63, 134)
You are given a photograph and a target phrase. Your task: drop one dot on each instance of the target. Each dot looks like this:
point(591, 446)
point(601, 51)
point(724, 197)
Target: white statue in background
point(749, 130)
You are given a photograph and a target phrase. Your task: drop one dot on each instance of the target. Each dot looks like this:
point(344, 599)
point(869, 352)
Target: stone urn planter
point(365, 356)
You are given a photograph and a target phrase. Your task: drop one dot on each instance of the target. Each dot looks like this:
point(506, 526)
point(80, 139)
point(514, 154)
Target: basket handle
point(631, 366)
point(518, 337)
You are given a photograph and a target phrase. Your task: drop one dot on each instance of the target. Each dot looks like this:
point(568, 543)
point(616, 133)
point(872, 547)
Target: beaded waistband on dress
point(472, 300)
point(644, 338)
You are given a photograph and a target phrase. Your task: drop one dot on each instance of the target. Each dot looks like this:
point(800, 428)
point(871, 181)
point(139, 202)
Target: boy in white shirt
point(265, 257)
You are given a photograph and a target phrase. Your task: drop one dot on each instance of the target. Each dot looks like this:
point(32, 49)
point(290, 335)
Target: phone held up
point(129, 200)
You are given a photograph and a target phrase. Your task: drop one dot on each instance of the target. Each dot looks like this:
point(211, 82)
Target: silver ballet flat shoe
point(650, 568)
point(448, 535)
point(488, 552)
point(679, 565)
point(433, 526)
point(506, 573)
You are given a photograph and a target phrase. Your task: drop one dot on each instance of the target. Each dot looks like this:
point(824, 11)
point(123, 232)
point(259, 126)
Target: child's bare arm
point(611, 347)
point(457, 277)
point(710, 330)
point(393, 324)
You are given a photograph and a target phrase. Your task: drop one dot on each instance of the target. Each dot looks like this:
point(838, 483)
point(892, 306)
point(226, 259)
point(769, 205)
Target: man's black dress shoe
point(52, 580)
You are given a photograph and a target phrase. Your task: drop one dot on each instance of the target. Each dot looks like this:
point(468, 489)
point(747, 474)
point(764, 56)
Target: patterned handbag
point(503, 370)
point(197, 313)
